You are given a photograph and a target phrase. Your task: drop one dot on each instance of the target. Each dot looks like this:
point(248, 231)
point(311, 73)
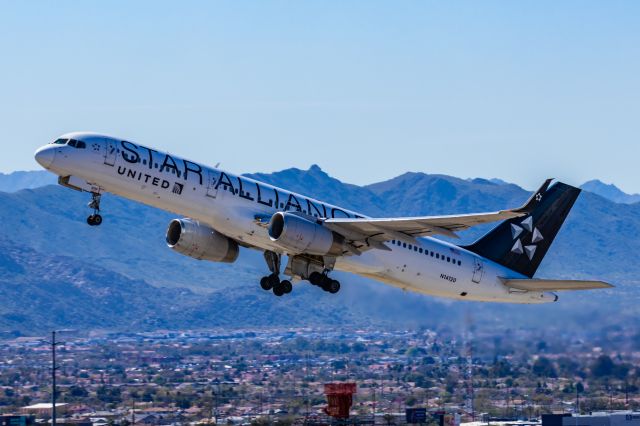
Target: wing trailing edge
point(407, 229)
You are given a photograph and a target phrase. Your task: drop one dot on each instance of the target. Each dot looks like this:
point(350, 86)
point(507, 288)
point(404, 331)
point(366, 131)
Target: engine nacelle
point(189, 237)
point(299, 235)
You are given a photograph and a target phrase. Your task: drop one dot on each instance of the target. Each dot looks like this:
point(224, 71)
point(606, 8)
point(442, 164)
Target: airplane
point(219, 212)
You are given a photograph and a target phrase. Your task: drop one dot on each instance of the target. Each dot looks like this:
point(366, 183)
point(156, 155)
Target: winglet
point(535, 198)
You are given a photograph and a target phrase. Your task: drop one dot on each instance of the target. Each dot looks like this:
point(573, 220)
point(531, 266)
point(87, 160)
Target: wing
point(553, 285)
point(373, 231)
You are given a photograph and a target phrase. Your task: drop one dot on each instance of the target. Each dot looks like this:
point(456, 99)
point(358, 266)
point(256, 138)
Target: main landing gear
point(272, 282)
point(324, 282)
point(95, 219)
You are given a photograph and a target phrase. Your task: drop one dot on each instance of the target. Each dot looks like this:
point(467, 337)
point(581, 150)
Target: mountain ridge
point(18, 180)
point(610, 192)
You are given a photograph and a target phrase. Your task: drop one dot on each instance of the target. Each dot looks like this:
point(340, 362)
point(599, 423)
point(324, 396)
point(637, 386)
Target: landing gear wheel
point(333, 286)
point(265, 283)
point(274, 280)
point(316, 278)
point(278, 290)
point(94, 220)
point(286, 286)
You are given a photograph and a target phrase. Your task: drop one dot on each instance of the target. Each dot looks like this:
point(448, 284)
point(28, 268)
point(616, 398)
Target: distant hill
point(57, 271)
point(16, 181)
point(42, 291)
point(610, 192)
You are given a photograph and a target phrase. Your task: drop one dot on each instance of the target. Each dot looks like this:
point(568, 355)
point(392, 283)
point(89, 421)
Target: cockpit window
point(60, 142)
point(76, 144)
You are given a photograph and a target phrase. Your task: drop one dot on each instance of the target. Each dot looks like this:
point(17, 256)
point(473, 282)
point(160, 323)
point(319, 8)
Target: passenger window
point(431, 254)
point(420, 250)
point(415, 248)
point(459, 263)
point(81, 145)
point(72, 143)
point(404, 245)
point(437, 255)
point(448, 259)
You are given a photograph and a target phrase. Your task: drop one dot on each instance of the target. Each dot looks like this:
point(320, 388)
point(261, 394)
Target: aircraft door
point(111, 152)
point(211, 184)
point(478, 270)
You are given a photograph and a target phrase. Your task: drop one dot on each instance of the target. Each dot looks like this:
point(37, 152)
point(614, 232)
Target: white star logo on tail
point(531, 250)
point(536, 236)
point(516, 230)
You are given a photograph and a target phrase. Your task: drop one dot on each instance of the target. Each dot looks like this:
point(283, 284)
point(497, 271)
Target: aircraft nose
point(44, 156)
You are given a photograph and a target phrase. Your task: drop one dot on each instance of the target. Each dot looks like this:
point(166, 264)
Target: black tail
point(521, 243)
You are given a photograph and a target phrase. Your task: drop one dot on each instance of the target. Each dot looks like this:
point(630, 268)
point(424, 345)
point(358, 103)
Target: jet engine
point(189, 237)
point(299, 235)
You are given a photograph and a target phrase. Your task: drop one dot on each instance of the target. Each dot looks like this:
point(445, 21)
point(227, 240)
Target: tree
point(543, 367)
point(567, 366)
point(78, 392)
point(501, 368)
point(603, 366)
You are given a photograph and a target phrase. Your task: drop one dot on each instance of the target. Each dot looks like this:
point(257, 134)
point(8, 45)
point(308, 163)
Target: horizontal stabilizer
point(553, 285)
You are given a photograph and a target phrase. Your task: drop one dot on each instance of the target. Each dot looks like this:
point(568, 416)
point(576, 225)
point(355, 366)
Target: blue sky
point(366, 89)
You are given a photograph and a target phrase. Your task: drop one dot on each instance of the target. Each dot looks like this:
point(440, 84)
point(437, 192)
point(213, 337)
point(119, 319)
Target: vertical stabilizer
point(521, 243)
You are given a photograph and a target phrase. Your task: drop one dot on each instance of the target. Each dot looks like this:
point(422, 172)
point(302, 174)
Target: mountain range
point(610, 192)
point(55, 271)
point(25, 180)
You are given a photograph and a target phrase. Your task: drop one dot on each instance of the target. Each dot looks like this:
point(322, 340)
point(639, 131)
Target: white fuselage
point(231, 205)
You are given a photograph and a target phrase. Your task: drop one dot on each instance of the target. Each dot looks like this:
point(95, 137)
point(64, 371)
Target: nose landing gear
point(94, 219)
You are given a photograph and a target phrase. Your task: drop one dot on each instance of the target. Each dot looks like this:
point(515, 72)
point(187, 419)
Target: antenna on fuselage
point(217, 165)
